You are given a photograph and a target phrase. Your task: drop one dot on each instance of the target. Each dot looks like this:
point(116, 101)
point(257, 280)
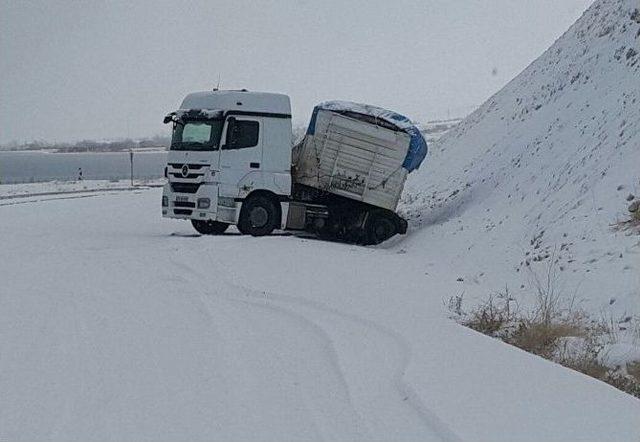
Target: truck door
point(241, 151)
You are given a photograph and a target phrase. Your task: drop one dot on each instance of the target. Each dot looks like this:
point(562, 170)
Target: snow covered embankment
point(543, 170)
point(528, 190)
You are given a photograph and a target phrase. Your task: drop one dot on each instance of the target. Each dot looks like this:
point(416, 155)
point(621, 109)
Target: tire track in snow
point(406, 394)
point(408, 399)
point(333, 412)
point(326, 425)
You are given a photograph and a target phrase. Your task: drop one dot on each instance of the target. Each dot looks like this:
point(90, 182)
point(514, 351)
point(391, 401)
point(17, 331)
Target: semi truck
point(232, 161)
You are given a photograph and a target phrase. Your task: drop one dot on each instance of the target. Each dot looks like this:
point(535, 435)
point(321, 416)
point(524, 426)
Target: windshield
point(197, 135)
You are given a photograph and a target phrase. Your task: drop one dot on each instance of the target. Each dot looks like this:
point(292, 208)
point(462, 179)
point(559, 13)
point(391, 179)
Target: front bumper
point(183, 204)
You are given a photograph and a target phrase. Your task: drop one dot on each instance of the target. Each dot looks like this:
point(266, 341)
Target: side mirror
point(172, 117)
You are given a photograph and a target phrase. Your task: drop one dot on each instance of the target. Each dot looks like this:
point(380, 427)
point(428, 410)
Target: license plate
point(182, 199)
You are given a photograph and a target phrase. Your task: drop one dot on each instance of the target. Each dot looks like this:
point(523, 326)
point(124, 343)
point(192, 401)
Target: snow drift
point(537, 176)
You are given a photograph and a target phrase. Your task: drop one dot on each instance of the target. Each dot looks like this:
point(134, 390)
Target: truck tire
point(379, 227)
point(209, 227)
point(259, 216)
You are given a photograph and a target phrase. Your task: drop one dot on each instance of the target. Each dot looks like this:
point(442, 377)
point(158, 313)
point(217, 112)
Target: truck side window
point(244, 133)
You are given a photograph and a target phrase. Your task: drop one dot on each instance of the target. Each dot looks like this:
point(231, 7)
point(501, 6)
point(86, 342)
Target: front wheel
point(259, 216)
point(209, 227)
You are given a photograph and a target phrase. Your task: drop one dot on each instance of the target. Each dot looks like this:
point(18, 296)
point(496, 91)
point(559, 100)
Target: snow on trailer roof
point(417, 147)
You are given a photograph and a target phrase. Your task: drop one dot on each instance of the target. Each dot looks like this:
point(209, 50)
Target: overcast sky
point(108, 69)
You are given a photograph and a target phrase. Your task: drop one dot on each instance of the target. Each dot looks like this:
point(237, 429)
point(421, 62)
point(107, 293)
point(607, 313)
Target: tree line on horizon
point(126, 144)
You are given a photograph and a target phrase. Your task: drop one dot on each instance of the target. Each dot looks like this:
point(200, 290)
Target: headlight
point(204, 203)
point(165, 201)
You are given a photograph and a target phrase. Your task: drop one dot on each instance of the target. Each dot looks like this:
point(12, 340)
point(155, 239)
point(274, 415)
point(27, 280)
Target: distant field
point(41, 166)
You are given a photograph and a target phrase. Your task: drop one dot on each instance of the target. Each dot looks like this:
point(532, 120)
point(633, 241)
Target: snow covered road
point(118, 325)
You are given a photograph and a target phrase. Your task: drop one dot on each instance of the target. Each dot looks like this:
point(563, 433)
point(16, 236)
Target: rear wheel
point(380, 226)
point(259, 216)
point(209, 227)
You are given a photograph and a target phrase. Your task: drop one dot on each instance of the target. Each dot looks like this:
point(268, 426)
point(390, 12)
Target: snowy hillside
point(541, 172)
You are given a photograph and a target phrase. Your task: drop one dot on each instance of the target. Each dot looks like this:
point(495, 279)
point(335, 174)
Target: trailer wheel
point(259, 216)
point(380, 226)
point(209, 227)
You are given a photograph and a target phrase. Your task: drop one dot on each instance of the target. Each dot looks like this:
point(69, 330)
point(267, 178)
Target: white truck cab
point(232, 162)
point(227, 146)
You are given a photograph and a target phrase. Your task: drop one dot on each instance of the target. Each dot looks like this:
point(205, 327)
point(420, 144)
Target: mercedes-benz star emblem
point(185, 171)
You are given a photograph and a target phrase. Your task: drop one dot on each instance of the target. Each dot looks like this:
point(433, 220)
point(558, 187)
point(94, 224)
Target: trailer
point(232, 162)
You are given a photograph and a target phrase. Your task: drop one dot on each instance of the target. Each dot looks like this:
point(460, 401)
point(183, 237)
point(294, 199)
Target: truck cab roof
point(243, 101)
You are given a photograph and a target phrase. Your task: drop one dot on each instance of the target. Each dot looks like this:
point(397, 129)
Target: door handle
point(254, 165)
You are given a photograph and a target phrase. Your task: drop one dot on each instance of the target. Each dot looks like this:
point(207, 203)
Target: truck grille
point(191, 166)
point(185, 187)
